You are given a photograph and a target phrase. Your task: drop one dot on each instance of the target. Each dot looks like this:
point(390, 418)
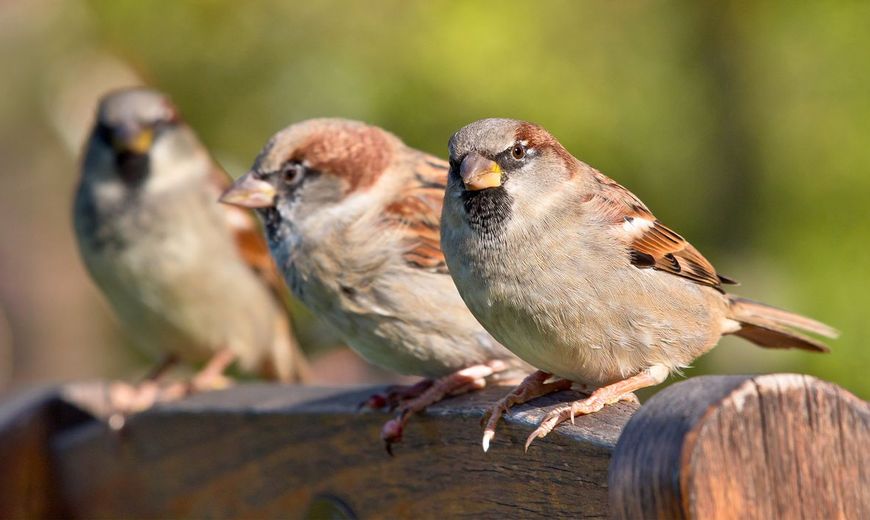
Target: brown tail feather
point(770, 327)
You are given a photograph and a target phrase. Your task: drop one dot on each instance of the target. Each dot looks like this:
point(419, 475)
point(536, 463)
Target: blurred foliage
point(742, 125)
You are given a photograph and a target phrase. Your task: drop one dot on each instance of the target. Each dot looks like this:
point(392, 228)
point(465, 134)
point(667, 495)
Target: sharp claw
point(487, 436)
point(572, 415)
point(393, 429)
point(117, 421)
point(389, 447)
point(535, 434)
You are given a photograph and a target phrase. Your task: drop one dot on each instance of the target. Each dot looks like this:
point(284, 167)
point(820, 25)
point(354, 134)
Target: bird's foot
point(534, 385)
point(568, 412)
point(610, 394)
point(464, 381)
point(126, 399)
point(395, 395)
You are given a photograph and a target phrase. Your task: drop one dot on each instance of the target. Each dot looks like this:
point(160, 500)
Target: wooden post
point(27, 481)
point(269, 451)
point(774, 446)
point(710, 447)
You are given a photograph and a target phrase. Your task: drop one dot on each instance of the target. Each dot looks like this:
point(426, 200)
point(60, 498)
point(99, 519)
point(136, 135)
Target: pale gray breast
point(563, 296)
point(172, 271)
point(395, 315)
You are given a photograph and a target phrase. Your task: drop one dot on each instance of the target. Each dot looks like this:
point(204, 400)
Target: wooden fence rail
point(710, 447)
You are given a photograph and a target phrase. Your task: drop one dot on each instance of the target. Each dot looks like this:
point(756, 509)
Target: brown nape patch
point(356, 154)
point(541, 139)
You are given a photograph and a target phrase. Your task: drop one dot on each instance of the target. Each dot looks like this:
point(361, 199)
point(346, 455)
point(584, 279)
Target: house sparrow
point(352, 216)
point(189, 278)
point(575, 275)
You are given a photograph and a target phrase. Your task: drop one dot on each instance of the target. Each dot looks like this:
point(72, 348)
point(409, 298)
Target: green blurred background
point(743, 126)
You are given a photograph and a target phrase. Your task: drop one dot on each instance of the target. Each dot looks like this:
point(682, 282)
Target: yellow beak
point(137, 141)
point(479, 173)
point(250, 192)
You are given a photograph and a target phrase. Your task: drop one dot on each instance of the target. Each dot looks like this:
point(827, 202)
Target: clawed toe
point(127, 399)
point(550, 421)
point(533, 386)
point(487, 438)
point(373, 402)
point(485, 418)
point(418, 397)
point(539, 433)
point(601, 397)
point(563, 414)
point(391, 432)
point(492, 417)
point(395, 396)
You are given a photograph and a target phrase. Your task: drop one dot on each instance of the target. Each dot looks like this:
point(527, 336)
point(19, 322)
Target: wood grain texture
point(776, 446)
point(265, 451)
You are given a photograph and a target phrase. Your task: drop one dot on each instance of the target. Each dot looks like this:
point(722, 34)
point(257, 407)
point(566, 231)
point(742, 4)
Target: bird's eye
point(518, 151)
point(292, 173)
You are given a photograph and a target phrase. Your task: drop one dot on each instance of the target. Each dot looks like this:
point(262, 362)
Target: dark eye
point(518, 151)
point(292, 173)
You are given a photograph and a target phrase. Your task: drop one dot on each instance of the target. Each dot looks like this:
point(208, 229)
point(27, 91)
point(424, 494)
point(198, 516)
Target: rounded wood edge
point(644, 471)
point(744, 446)
point(779, 446)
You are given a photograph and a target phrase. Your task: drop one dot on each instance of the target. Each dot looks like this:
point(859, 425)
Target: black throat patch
point(271, 221)
point(132, 167)
point(487, 210)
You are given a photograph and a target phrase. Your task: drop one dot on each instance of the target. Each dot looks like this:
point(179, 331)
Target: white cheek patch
point(636, 225)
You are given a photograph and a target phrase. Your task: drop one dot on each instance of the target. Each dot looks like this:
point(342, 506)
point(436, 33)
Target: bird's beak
point(133, 140)
point(250, 192)
point(479, 173)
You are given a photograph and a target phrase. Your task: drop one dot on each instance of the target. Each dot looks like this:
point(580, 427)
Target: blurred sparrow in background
point(191, 279)
point(576, 276)
point(352, 216)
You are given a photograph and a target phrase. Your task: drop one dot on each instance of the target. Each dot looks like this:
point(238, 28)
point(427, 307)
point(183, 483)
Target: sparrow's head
point(312, 166)
point(500, 153)
point(498, 166)
point(136, 132)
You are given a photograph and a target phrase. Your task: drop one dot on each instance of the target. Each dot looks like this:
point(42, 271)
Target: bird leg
point(534, 385)
point(395, 395)
point(466, 380)
point(159, 370)
point(601, 397)
point(126, 399)
point(210, 377)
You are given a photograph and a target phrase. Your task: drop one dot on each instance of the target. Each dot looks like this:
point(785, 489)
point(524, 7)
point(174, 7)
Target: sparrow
point(575, 275)
point(352, 216)
point(190, 279)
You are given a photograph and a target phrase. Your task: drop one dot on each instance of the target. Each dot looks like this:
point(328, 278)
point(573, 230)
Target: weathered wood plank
point(28, 487)
point(776, 446)
point(268, 451)
point(711, 447)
